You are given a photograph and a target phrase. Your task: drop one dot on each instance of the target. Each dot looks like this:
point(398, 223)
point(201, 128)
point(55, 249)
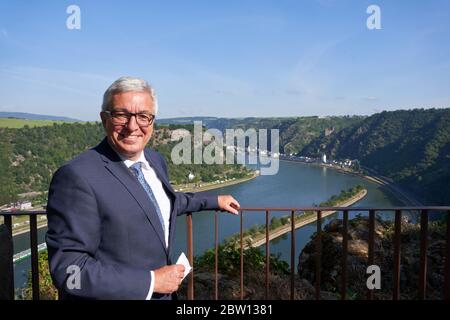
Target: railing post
point(423, 254)
point(292, 255)
point(344, 255)
point(318, 253)
point(371, 246)
point(216, 258)
point(242, 256)
point(6, 263)
point(190, 252)
point(447, 261)
point(267, 254)
point(397, 243)
point(34, 257)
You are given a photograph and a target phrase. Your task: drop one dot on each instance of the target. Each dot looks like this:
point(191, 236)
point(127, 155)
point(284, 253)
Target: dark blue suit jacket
point(101, 220)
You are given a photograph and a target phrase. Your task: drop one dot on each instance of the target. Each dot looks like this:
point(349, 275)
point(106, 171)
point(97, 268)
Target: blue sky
point(227, 58)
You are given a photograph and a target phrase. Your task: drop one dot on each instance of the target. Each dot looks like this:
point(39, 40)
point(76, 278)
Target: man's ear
point(103, 116)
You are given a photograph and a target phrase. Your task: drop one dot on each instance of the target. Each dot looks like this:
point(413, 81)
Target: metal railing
point(7, 216)
point(422, 285)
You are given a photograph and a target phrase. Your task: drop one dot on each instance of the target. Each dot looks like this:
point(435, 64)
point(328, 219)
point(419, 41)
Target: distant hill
point(185, 120)
point(15, 123)
point(295, 132)
point(32, 116)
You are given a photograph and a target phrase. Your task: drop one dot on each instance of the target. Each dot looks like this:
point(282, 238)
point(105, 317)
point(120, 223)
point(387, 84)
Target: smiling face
point(130, 139)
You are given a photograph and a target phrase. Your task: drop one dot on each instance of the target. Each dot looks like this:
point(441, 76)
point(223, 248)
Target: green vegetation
point(202, 172)
point(229, 261)
point(34, 154)
point(47, 290)
point(8, 189)
point(342, 197)
point(20, 123)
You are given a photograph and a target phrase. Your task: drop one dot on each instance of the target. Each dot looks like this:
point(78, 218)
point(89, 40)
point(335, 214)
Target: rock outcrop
point(384, 258)
point(254, 287)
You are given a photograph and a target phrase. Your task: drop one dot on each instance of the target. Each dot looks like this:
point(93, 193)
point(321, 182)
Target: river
point(295, 185)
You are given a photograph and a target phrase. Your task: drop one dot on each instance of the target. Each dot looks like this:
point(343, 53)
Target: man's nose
point(132, 123)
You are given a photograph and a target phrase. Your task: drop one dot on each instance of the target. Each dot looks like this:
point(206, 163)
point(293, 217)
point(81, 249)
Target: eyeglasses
point(120, 118)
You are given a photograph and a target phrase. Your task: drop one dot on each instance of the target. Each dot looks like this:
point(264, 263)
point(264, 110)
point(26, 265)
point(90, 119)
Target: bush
point(230, 260)
point(47, 290)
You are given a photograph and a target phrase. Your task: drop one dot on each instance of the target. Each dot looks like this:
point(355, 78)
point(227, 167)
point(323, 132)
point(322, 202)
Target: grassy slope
point(20, 123)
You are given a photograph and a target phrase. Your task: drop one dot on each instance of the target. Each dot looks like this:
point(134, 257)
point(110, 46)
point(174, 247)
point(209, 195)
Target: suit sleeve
point(73, 237)
point(192, 202)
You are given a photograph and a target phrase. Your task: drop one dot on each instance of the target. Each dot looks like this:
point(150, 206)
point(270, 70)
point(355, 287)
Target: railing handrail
point(300, 208)
point(22, 213)
point(308, 208)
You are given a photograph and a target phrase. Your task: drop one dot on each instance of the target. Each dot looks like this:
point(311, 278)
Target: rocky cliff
point(384, 257)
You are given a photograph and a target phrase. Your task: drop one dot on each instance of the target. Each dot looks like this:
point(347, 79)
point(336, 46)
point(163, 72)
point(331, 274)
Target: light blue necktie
point(137, 168)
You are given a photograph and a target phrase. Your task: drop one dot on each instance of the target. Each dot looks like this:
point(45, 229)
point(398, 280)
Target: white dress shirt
point(161, 198)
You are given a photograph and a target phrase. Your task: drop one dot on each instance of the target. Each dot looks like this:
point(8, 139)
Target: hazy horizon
point(229, 117)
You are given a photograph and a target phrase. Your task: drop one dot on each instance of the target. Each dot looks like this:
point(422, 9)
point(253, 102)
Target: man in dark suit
point(112, 211)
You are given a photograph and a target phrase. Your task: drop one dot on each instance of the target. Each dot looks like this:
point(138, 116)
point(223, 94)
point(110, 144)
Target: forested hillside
point(295, 132)
point(30, 156)
point(410, 146)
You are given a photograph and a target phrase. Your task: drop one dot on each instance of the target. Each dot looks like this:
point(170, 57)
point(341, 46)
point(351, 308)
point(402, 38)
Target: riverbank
point(21, 230)
point(395, 190)
point(301, 221)
point(211, 186)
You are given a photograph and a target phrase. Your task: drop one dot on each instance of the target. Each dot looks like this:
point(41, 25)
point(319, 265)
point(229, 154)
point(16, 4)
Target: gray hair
point(126, 84)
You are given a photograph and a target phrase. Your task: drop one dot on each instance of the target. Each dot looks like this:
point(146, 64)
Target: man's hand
point(228, 203)
point(168, 278)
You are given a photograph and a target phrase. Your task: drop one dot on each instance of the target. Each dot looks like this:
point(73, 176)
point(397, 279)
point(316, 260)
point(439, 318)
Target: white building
point(324, 158)
point(25, 205)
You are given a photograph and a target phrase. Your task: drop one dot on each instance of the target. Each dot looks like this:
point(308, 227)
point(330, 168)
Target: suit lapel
point(117, 168)
point(150, 156)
